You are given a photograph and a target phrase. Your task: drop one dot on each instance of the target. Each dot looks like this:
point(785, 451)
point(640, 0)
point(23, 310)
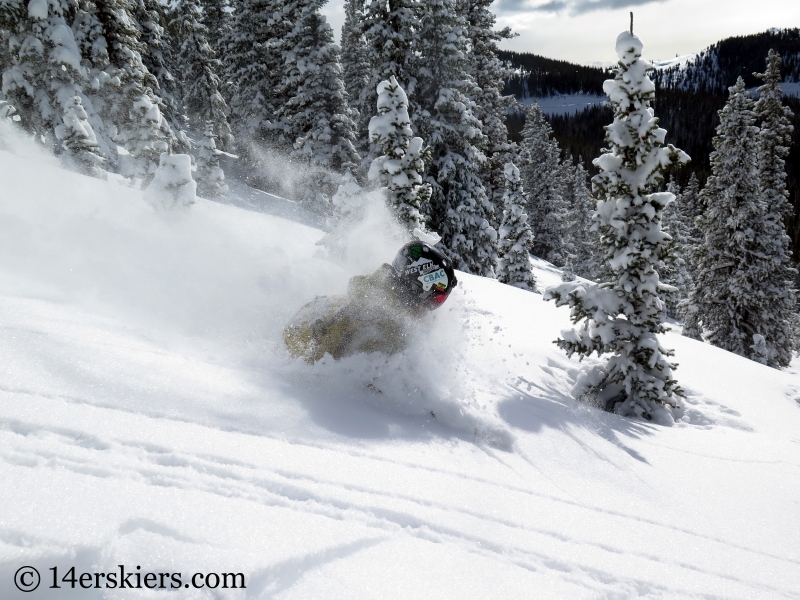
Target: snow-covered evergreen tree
point(122, 87)
point(738, 290)
point(390, 35)
point(356, 69)
point(691, 199)
point(459, 208)
point(623, 316)
point(490, 106)
point(217, 19)
point(45, 80)
point(772, 147)
point(401, 167)
point(583, 258)
point(150, 18)
point(516, 239)
point(252, 55)
point(145, 139)
point(315, 117)
point(78, 139)
point(199, 70)
point(542, 178)
point(172, 186)
point(209, 176)
point(674, 269)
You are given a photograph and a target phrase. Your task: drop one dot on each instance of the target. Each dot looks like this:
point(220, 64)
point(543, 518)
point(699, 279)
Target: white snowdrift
point(150, 416)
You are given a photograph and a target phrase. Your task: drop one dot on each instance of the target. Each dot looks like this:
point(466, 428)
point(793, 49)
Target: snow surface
point(564, 104)
point(790, 88)
point(150, 416)
point(680, 61)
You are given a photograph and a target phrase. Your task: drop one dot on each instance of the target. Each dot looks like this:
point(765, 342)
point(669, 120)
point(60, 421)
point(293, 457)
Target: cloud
point(573, 7)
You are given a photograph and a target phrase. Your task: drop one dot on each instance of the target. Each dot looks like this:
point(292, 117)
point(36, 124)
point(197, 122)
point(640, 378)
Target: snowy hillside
point(564, 104)
point(149, 416)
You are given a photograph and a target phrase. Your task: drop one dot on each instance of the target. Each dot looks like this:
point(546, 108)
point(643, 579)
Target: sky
point(583, 31)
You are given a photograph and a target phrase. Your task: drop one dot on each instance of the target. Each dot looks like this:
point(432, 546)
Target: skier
point(379, 310)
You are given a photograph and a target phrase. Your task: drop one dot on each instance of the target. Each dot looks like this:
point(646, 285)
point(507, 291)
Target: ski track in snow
point(152, 420)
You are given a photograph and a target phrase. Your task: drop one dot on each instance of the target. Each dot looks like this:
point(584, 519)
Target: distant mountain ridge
point(536, 76)
point(713, 70)
point(690, 91)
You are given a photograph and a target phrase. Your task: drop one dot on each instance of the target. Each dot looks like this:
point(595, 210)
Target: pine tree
point(356, 71)
point(145, 139)
point(727, 296)
point(45, 78)
point(459, 208)
point(123, 96)
point(200, 68)
point(315, 117)
point(491, 107)
point(209, 176)
point(401, 167)
point(252, 55)
point(516, 239)
point(216, 17)
point(78, 139)
point(623, 316)
point(691, 199)
point(774, 139)
point(674, 269)
point(390, 35)
point(540, 168)
point(150, 18)
point(583, 259)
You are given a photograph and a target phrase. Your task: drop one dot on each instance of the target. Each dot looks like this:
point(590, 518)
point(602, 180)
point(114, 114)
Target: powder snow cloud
point(573, 7)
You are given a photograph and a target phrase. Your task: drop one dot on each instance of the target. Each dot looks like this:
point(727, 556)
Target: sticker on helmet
point(421, 267)
point(415, 252)
point(435, 278)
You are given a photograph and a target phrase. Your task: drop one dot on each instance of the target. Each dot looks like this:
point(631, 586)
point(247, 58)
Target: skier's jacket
point(372, 317)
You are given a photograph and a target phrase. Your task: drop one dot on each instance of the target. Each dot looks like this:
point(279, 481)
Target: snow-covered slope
point(150, 417)
point(563, 104)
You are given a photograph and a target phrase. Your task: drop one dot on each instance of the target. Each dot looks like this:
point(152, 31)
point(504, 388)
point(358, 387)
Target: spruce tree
point(622, 316)
point(772, 148)
point(491, 107)
point(252, 55)
point(542, 177)
point(583, 258)
point(356, 71)
point(315, 117)
point(727, 296)
point(674, 269)
point(401, 167)
point(199, 68)
point(390, 35)
point(516, 239)
point(150, 18)
point(123, 97)
point(217, 18)
point(44, 82)
point(459, 208)
point(209, 176)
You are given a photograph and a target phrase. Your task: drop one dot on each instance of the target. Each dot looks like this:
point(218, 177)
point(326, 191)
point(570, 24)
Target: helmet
point(425, 275)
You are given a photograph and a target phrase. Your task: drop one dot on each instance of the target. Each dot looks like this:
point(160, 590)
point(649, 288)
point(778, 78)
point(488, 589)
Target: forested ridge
point(687, 101)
